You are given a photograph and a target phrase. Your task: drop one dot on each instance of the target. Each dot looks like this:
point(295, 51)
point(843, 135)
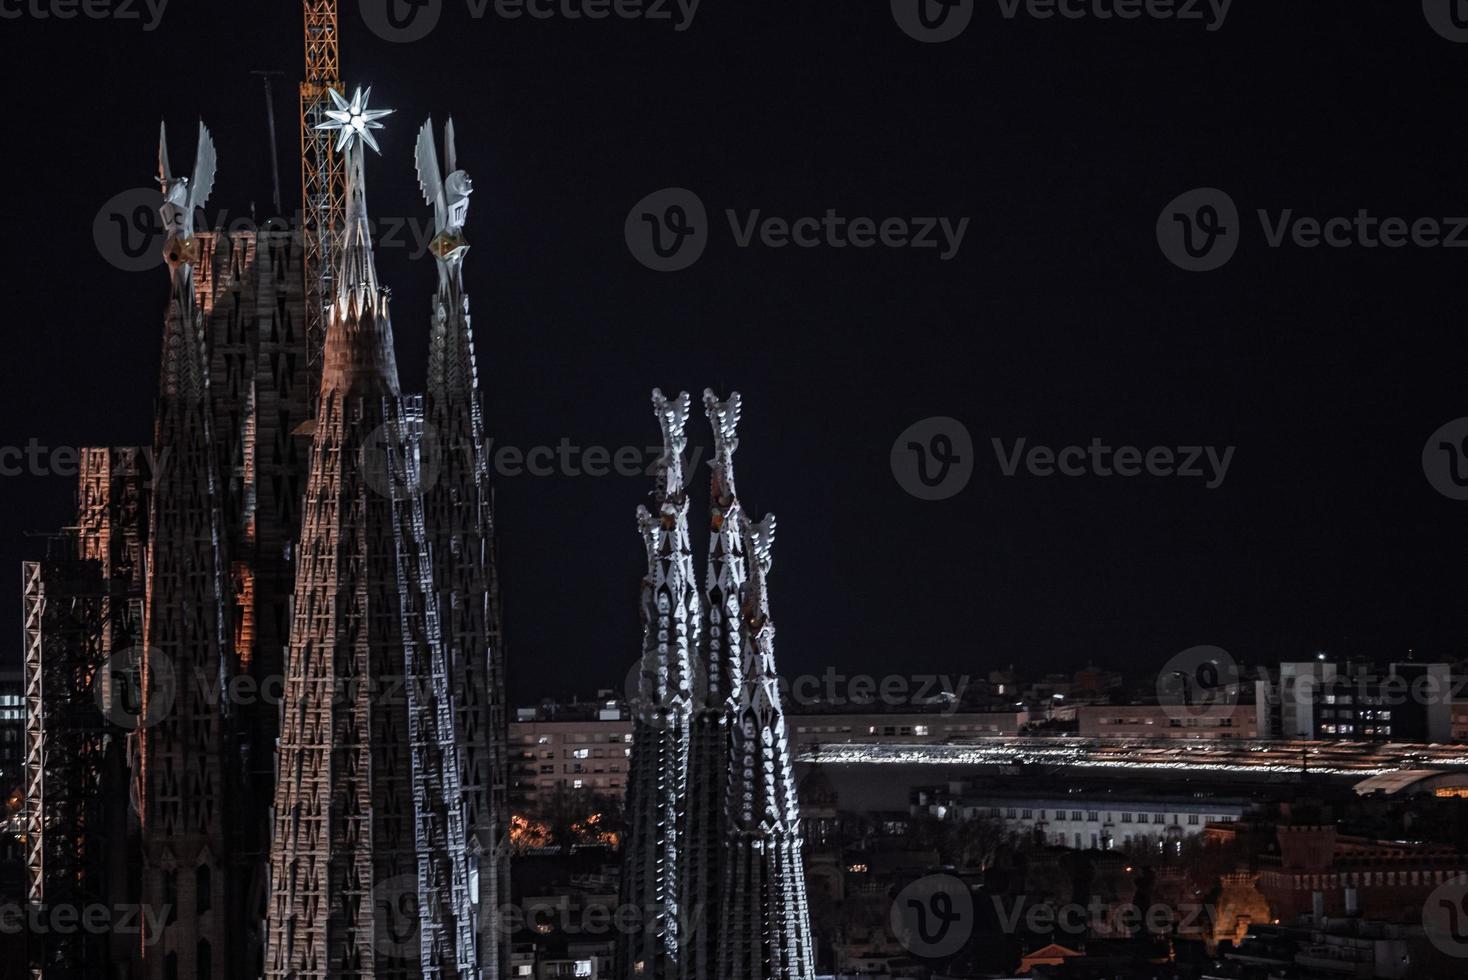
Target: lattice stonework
point(715, 677)
point(459, 509)
point(368, 858)
point(658, 774)
point(190, 788)
point(765, 920)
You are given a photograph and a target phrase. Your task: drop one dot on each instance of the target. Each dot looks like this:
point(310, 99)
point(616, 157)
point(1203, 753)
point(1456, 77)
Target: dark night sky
point(1059, 320)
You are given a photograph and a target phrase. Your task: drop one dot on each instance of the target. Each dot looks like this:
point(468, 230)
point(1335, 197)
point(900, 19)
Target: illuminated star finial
point(354, 120)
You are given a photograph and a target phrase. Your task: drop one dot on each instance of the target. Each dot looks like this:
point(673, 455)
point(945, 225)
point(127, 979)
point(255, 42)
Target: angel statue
point(450, 199)
point(182, 196)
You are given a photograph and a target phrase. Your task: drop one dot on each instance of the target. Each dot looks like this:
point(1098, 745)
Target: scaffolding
point(323, 179)
point(67, 745)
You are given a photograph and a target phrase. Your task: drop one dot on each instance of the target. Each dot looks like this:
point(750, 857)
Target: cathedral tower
point(658, 773)
point(765, 920)
point(187, 772)
point(367, 860)
point(460, 511)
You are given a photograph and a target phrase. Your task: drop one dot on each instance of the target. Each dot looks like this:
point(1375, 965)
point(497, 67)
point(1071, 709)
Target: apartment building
point(1166, 721)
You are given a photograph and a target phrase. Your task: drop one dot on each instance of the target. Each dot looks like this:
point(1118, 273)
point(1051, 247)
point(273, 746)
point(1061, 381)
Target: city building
point(939, 725)
point(1087, 817)
point(1165, 721)
point(12, 729)
point(1320, 869)
point(1323, 700)
point(569, 748)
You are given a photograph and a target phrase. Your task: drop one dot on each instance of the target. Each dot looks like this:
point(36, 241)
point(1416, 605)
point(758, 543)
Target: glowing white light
point(354, 120)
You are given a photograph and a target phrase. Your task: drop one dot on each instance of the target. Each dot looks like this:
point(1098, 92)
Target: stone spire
point(187, 792)
point(368, 858)
point(657, 777)
point(716, 672)
point(459, 509)
point(359, 349)
point(765, 920)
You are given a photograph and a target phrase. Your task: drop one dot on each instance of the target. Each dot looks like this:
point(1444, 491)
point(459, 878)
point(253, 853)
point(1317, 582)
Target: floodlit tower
point(658, 774)
point(368, 867)
point(459, 504)
point(716, 672)
point(765, 920)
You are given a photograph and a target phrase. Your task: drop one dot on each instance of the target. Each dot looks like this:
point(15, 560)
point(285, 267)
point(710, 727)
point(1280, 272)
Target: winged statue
point(449, 197)
point(183, 195)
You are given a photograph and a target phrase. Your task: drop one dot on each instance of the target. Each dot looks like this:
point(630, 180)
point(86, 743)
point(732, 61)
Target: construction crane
point(323, 179)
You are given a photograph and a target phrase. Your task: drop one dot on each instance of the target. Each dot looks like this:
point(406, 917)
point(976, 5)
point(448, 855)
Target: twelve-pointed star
point(354, 119)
